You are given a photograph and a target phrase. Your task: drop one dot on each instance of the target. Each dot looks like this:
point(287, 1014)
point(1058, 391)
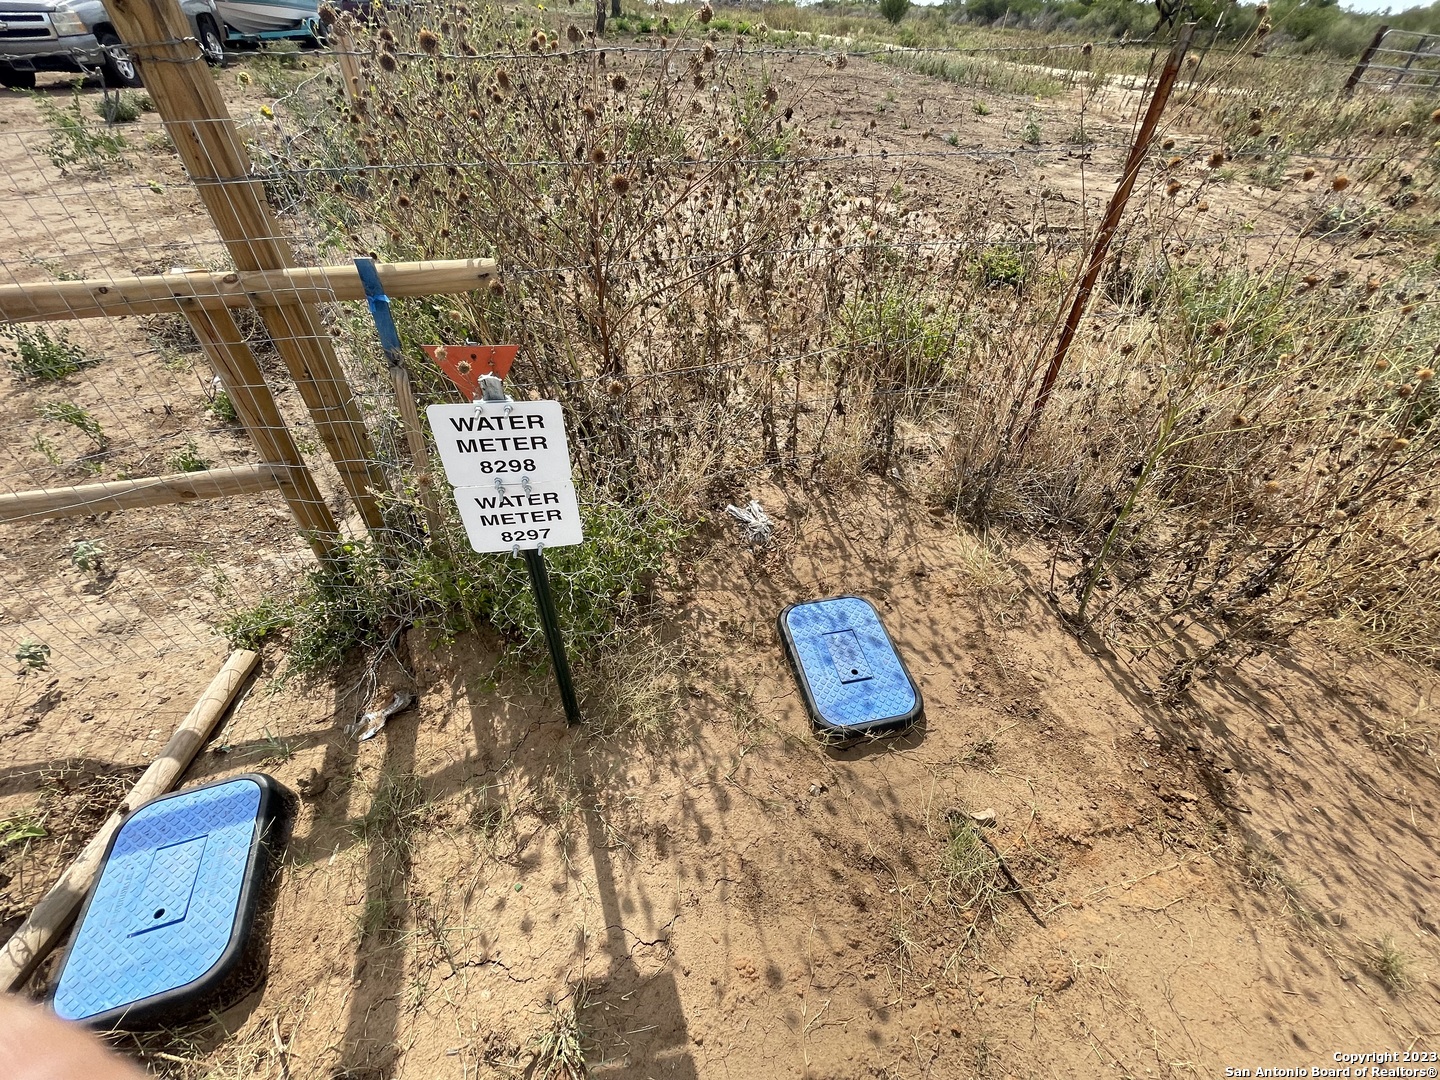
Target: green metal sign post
point(545, 604)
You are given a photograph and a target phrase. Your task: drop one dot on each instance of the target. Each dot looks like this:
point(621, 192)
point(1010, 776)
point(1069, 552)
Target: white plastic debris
point(758, 526)
point(372, 723)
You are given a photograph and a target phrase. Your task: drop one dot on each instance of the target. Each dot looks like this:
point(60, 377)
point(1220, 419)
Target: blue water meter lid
point(852, 677)
point(166, 910)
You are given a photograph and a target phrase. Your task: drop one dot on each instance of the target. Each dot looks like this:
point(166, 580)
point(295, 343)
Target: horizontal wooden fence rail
point(204, 298)
point(100, 498)
point(150, 295)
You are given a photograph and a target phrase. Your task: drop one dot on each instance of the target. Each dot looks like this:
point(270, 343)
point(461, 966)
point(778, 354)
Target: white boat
point(248, 17)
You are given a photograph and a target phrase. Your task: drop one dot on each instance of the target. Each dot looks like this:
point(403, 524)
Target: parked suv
point(76, 35)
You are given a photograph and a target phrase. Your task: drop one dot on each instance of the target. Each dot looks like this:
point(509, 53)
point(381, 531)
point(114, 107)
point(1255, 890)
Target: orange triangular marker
point(464, 364)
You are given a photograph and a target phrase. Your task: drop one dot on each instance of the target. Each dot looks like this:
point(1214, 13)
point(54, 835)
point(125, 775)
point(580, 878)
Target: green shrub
point(899, 339)
point(1240, 319)
point(18, 828)
point(87, 555)
point(247, 628)
point(892, 11)
point(1003, 266)
point(34, 353)
point(63, 412)
point(222, 408)
point(35, 655)
point(124, 107)
point(357, 598)
point(72, 142)
point(187, 459)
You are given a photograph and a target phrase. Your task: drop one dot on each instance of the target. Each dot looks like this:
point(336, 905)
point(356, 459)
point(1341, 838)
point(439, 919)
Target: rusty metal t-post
point(1109, 225)
point(1364, 62)
point(159, 39)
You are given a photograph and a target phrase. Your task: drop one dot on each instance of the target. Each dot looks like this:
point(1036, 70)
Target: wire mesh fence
point(740, 265)
point(93, 403)
point(725, 257)
point(1401, 62)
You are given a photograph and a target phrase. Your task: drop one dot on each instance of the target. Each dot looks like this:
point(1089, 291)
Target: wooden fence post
point(1365, 57)
point(343, 47)
point(179, 82)
point(1109, 225)
point(107, 496)
point(95, 298)
point(233, 361)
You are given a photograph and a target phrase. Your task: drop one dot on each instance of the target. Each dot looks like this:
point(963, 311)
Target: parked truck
point(77, 35)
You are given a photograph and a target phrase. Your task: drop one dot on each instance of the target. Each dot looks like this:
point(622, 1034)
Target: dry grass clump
point(399, 807)
point(1389, 964)
point(1261, 460)
point(1278, 471)
point(676, 270)
point(1257, 452)
point(633, 687)
point(1248, 454)
point(559, 1047)
point(1402, 734)
point(968, 871)
point(1264, 873)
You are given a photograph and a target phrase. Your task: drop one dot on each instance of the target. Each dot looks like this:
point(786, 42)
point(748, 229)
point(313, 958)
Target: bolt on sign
point(509, 463)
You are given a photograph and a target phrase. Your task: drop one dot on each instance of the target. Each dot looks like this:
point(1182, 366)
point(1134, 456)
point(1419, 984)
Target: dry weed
point(633, 688)
point(1243, 439)
point(1390, 965)
point(559, 1047)
point(1264, 873)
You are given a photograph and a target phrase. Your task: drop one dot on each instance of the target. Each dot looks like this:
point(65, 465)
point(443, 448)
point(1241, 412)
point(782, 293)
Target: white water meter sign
point(509, 463)
point(506, 516)
point(489, 440)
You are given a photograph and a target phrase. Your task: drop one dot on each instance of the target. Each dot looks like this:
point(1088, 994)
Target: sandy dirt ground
point(1193, 888)
point(1169, 888)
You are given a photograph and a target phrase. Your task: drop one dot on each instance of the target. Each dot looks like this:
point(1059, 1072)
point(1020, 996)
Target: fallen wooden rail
point(110, 495)
point(157, 293)
point(40, 933)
